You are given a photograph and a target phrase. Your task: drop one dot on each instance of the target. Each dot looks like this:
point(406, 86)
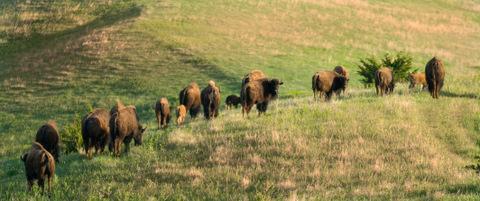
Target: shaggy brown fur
point(210, 100)
point(417, 79)
point(49, 138)
point(259, 92)
point(162, 111)
point(326, 82)
point(384, 83)
point(252, 76)
point(342, 71)
point(232, 100)
point(435, 73)
point(125, 126)
point(181, 113)
point(190, 98)
point(95, 131)
point(39, 165)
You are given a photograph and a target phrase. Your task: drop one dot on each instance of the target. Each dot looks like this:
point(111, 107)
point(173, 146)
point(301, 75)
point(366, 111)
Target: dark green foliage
point(401, 64)
point(72, 136)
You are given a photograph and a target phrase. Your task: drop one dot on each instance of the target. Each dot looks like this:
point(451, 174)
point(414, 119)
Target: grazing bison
point(162, 111)
point(417, 79)
point(48, 137)
point(181, 113)
point(210, 100)
point(326, 82)
point(232, 100)
point(125, 125)
point(435, 73)
point(259, 92)
point(95, 131)
point(384, 82)
point(190, 98)
point(342, 71)
point(39, 165)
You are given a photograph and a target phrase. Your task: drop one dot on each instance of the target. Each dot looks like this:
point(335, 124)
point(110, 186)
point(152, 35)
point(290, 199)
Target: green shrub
point(401, 65)
point(72, 136)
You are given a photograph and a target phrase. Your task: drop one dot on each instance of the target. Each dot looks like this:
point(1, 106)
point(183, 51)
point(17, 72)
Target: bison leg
point(118, 143)
point(157, 114)
point(41, 183)
point(30, 184)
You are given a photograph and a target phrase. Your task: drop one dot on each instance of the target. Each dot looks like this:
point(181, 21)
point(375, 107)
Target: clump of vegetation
point(400, 63)
point(72, 136)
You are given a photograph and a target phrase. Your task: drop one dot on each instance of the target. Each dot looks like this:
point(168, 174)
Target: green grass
point(91, 53)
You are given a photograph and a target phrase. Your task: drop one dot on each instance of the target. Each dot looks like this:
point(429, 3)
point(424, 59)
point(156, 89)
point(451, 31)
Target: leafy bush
point(401, 65)
point(72, 136)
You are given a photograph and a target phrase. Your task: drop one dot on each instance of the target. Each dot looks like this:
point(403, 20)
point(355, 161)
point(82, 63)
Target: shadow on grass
point(456, 95)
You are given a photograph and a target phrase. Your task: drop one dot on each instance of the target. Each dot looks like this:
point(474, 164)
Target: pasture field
point(59, 59)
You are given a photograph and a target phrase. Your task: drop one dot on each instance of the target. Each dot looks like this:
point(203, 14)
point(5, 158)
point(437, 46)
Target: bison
point(384, 82)
point(342, 71)
point(162, 112)
point(326, 82)
point(39, 165)
point(95, 131)
point(125, 125)
point(417, 79)
point(181, 113)
point(258, 92)
point(232, 100)
point(435, 73)
point(190, 98)
point(49, 138)
point(210, 100)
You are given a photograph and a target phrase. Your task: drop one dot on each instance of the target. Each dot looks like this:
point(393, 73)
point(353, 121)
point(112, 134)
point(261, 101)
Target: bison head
point(272, 87)
point(339, 82)
point(139, 136)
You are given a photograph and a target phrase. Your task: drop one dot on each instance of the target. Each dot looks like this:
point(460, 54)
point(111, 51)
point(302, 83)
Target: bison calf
point(384, 83)
point(190, 98)
point(232, 100)
point(39, 165)
point(49, 138)
point(324, 83)
point(162, 112)
point(181, 113)
point(125, 126)
point(95, 131)
point(435, 73)
point(210, 100)
point(417, 79)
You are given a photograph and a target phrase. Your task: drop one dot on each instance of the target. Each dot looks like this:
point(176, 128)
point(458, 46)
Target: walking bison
point(232, 100)
point(190, 98)
point(125, 126)
point(258, 92)
point(384, 81)
point(162, 112)
point(95, 131)
point(417, 79)
point(324, 83)
point(211, 100)
point(39, 165)
point(435, 74)
point(49, 138)
point(181, 113)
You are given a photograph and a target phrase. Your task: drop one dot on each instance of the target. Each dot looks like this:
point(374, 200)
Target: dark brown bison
point(162, 112)
point(95, 131)
point(259, 92)
point(181, 114)
point(48, 137)
point(325, 83)
point(384, 82)
point(39, 165)
point(232, 100)
point(342, 71)
point(210, 100)
point(190, 98)
point(417, 79)
point(435, 73)
point(125, 126)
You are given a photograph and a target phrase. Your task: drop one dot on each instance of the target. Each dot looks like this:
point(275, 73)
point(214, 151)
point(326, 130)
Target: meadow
point(59, 60)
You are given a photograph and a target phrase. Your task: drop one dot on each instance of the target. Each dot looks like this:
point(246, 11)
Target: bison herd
point(121, 124)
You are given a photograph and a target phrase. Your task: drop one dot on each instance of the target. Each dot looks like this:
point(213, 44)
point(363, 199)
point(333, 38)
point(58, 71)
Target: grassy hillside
point(58, 60)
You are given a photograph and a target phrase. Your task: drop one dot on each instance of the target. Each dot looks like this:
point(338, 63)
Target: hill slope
point(89, 54)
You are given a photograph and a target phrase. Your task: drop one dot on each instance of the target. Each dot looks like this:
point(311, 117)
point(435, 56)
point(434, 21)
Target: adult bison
point(39, 165)
point(258, 92)
point(181, 113)
point(49, 138)
point(162, 112)
point(417, 79)
point(342, 71)
point(232, 100)
point(95, 131)
point(125, 126)
point(327, 82)
point(190, 98)
point(435, 73)
point(384, 82)
point(211, 100)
